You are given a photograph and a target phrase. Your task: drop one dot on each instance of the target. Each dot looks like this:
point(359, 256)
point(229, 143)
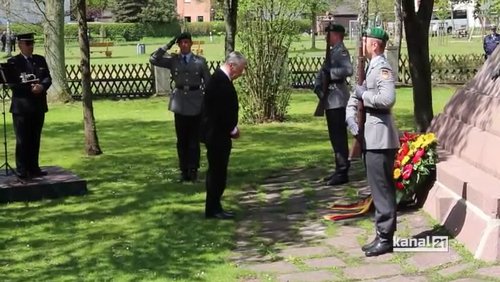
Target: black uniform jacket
point(23, 100)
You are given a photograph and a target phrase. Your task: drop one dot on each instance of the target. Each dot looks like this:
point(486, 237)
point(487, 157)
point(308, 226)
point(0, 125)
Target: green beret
point(377, 32)
point(334, 28)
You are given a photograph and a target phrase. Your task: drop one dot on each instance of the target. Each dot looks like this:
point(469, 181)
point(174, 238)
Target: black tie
point(186, 59)
point(31, 65)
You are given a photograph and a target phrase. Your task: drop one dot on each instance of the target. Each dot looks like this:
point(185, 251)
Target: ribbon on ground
point(345, 211)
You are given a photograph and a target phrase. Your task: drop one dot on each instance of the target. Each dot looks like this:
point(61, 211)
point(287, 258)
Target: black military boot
point(184, 175)
point(371, 244)
point(337, 179)
point(382, 246)
point(193, 175)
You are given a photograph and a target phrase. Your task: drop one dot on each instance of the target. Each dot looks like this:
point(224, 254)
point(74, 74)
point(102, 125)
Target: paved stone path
point(282, 237)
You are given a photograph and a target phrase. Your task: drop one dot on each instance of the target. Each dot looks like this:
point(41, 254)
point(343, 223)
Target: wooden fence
point(137, 80)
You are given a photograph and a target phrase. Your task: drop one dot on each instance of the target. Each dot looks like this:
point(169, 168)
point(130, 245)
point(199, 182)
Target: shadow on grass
point(137, 222)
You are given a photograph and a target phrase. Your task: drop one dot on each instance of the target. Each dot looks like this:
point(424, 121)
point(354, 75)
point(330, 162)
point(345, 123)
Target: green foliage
point(113, 31)
point(128, 11)
point(266, 33)
point(442, 9)
point(26, 28)
point(203, 28)
point(162, 11)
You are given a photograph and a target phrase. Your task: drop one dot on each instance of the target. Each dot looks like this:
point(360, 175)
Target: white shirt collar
point(225, 72)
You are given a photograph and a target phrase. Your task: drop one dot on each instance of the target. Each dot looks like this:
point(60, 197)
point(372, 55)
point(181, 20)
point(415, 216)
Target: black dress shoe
point(327, 178)
point(221, 215)
point(24, 176)
point(380, 248)
point(337, 179)
point(184, 176)
point(39, 173)
point(370, 245)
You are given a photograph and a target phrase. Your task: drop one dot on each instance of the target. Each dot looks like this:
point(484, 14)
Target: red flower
point(397, 163)
point(404, 150)
point(407, 171)
point(399, 185)
point(408, 137)
point(418, 155)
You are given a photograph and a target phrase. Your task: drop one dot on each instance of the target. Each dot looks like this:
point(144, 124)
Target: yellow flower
point(405, 160)
point(397, 173)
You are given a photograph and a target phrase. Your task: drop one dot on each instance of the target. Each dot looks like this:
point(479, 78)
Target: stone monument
point(466, 195)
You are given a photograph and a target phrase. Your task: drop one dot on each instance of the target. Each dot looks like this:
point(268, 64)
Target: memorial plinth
point(466, 195)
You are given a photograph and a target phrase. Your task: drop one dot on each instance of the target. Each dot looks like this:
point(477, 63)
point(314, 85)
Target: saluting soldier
point(381, 140)
point(28, 107)
point(335, 70)
point(190, 73)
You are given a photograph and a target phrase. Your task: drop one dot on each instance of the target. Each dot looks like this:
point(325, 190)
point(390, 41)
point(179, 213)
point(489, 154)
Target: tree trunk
point(54, 50)
point(314, 28)
point(417, 40)
point(398, 25)
point(230, 17)
point(91, 141)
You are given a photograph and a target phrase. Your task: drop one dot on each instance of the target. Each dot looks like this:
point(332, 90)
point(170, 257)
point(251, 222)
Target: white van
point(458, 20)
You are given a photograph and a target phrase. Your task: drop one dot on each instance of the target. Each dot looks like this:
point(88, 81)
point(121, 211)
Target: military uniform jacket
point(339, 67)
point(189, 80)
point(380, 131)
point(23, 100)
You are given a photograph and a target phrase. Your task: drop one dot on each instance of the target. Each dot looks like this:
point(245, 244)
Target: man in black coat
point(29, 105)
point(219, 126)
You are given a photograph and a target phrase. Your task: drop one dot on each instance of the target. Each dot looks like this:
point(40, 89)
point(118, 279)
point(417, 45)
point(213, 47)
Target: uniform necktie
point(31, 64)
point(185, 59)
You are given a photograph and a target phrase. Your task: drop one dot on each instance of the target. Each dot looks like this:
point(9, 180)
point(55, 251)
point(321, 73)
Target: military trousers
point(28, 130)
point(187, 129)
point(337, 130)
point(379, 172)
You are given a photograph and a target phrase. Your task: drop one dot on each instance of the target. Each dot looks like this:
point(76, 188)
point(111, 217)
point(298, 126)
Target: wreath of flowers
point(415, 159)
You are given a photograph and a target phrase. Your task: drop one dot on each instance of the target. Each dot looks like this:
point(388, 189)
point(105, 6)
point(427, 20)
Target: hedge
point(135, 31)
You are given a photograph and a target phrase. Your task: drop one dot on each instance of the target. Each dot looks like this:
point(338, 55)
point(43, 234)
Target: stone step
point(470, 183)
point(478, 147)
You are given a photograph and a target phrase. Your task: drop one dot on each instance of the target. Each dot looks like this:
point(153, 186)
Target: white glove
point(359, 90)
point(352, 126)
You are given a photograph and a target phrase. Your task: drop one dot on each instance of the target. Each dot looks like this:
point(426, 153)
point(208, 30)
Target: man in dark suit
point(29, 105)
point(219, 126)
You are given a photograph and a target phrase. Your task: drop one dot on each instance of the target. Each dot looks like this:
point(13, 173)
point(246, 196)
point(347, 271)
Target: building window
point(187, 19)
point(200, 18)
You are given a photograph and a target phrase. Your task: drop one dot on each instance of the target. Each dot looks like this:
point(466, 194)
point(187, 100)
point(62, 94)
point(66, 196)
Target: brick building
point(195, 10)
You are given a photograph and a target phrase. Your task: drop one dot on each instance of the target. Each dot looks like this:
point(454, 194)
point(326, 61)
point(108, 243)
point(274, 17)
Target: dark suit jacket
point(220, 109)
point(23, 100)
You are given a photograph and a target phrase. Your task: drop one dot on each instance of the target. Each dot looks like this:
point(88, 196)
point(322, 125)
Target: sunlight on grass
point(137, 222)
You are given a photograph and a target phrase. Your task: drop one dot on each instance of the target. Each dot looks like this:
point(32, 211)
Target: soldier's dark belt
point(188, 88)
point(337, 81)
point(377, 111)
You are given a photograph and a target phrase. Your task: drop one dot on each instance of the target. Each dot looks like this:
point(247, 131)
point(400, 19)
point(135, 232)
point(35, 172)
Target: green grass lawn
point(137, 223)
point(125, 52)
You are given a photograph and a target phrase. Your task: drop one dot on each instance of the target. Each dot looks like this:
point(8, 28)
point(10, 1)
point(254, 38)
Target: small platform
point(57, 183)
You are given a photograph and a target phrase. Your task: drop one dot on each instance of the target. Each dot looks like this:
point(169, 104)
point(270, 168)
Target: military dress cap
point(332, 27)
point(184, 35)
point(26, 37)
point(493, 27)
point(378, 33)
